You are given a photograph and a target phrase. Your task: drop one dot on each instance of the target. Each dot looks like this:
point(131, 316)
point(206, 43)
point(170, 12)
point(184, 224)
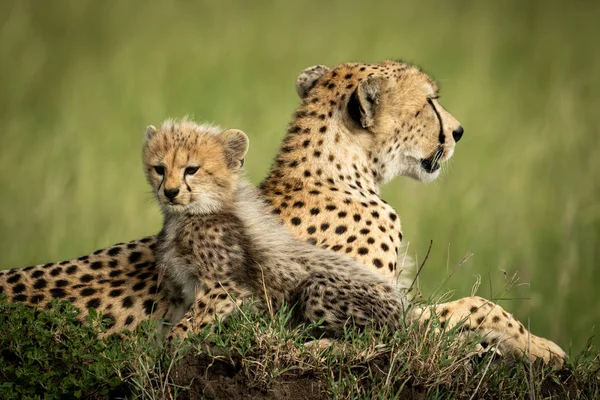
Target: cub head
point(193, 168)
point(391, 109)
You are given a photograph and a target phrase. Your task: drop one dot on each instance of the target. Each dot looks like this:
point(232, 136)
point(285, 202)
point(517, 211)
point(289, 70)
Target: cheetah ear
point(364, 102)
point(307, 79)
point(150, 132)
point(236, 146)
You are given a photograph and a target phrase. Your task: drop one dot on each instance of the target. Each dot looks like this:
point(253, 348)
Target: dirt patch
point(565, 387)
point(210, 378)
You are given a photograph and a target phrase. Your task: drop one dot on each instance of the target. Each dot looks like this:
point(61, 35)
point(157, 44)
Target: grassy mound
point(48, 353)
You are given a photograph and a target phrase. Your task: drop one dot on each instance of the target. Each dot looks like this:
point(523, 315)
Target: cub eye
point(159, 169)
point(191, 170)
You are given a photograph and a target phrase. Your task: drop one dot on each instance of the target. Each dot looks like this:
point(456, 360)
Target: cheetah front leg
point(496, 326)
point(214, 302)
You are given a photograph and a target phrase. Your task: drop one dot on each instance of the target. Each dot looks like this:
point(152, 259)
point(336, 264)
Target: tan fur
point(325, 179)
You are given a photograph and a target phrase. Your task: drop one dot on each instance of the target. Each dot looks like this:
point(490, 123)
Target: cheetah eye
point(159, 169)
point(191, 170)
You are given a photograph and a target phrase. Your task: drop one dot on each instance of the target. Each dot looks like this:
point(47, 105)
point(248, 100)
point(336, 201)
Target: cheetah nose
point(171, 193)
point(457, 133)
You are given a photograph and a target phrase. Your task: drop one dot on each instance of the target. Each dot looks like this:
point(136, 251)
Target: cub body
point(220, 243)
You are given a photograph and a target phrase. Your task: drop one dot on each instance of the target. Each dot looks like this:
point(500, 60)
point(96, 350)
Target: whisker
point(150, 197)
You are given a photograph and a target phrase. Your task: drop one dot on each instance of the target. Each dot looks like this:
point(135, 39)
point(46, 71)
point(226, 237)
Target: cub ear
point(150, 132)
point(307, 79)
point(236, 146)
point(364, 102)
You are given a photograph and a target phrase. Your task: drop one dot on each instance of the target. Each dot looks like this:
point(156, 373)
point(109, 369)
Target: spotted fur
point(126, 296)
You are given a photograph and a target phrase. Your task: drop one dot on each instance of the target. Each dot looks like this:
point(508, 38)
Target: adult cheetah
point(358, 126)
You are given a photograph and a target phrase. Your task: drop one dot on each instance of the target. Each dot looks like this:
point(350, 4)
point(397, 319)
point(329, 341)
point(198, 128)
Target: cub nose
point(457, 133)
point(171, 193)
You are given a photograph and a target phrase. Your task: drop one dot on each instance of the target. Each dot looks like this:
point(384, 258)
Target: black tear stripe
point(160, 184)
point(442, 138)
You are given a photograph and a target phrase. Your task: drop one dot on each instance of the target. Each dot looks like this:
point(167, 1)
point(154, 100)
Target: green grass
point(49, 354)
point(254, 355)
point(81, 80)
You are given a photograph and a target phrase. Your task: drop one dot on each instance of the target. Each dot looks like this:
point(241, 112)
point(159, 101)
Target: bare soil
point(209, 378)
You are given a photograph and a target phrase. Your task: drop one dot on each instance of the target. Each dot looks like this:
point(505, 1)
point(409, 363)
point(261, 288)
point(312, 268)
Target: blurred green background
point(81, 80)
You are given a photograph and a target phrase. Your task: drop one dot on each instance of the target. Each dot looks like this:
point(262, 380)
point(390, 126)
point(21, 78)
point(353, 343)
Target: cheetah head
point(391, 110)
point(193, 168)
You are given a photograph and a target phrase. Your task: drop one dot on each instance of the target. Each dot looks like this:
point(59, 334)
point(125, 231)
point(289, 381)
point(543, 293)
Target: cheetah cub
point(220, 245)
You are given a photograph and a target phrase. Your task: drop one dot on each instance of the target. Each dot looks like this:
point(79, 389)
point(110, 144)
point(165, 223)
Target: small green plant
point(48, 353)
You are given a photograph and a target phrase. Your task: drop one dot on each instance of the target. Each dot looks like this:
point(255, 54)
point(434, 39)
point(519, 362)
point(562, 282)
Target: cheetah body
point(120, 281)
